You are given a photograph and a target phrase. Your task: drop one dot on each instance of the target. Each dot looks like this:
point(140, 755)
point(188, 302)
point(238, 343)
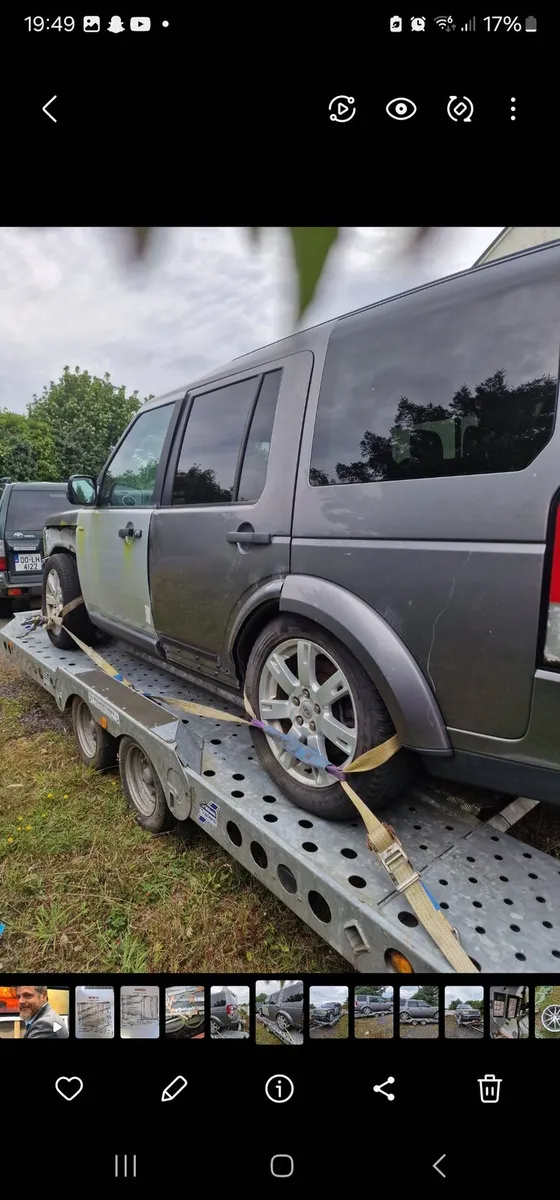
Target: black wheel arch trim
point(402, 686)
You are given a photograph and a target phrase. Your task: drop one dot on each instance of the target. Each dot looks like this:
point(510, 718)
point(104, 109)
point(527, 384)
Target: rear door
point(224, 525)
point(112, 543)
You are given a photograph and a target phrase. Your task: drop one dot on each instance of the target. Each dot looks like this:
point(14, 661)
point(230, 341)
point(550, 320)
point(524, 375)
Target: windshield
point(28, 509)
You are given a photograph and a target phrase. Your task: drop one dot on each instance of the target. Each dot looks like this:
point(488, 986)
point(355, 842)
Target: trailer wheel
point(61, 585)
point(302, 680)
point(96, 747)
point(142, 788)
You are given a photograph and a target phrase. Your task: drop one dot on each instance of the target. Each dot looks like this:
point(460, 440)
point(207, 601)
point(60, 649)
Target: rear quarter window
point(460, 379)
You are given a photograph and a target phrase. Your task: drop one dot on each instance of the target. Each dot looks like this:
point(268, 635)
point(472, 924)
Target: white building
point(515, 238)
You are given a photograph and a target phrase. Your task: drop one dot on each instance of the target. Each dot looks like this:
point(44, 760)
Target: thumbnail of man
point(41, 1020)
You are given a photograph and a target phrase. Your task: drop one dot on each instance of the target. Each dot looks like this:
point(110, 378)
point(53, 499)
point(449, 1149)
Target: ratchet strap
point(381, 838)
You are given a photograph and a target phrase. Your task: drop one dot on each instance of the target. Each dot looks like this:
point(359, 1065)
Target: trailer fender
point(404, 689)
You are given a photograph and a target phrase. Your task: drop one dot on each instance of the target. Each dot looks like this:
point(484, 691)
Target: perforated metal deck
point(501, 895)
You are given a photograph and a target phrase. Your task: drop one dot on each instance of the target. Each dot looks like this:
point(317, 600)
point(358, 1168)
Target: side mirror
point(81, 489)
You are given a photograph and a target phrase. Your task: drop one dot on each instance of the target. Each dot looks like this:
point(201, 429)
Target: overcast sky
point(464, 994)
point(320, 995)
point(240, 992)
point(267, 987)
point(68, 296)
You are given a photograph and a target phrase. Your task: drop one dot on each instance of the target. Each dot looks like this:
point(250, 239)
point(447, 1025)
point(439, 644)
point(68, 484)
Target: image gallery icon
point(92, 24)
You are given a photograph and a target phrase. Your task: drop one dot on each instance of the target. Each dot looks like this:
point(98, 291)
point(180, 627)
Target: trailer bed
point(496, 891)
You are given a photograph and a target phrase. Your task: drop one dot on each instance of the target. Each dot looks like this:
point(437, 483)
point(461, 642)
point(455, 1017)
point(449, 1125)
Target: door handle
point(130, 532)
point(244, 537)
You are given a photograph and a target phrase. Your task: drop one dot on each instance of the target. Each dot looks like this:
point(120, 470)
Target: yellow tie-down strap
point(381, 839)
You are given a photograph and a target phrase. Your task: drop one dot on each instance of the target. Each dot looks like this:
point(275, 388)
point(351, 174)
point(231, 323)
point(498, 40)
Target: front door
point(224, 526)
point(112, 538)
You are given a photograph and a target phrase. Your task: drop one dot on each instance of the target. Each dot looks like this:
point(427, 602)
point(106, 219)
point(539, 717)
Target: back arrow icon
point(436, 1166)
point(46, 106)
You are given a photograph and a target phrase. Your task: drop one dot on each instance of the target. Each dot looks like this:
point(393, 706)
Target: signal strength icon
point(470, 26)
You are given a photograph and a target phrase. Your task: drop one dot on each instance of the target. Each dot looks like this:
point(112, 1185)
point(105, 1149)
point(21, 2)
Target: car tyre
point(60, 575)
point(368, 1012)
point(97, 748)
point(215, 1026)
point(405, 1016)
point(142, 788)
point(376, 788)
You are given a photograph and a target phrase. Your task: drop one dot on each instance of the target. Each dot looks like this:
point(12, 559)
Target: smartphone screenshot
point(279, 597)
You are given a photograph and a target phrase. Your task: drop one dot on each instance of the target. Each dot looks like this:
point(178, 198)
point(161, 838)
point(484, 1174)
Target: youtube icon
point(140, 24)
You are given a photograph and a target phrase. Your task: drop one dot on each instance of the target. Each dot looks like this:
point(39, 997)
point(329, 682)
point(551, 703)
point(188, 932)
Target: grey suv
point(417, 1010)
point(286, 1007)
point(23, 510)
point(367, 1006)
point(358, 526)
point(224, 1013)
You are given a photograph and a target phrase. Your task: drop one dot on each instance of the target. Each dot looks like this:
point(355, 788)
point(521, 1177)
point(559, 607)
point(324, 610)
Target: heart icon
point(69, 1088)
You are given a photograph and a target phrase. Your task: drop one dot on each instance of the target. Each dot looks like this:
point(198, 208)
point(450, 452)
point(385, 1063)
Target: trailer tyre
point(303, 681)
point(61, 584)
point(142, 788)
point(96, 747)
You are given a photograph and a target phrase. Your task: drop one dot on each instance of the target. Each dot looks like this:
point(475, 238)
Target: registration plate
point(27, 562)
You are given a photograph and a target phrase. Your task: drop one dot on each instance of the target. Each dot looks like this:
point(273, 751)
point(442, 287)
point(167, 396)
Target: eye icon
point(401, 109)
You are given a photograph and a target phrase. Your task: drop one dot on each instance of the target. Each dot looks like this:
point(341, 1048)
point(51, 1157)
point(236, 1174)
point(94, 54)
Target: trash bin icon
point(489, 1089)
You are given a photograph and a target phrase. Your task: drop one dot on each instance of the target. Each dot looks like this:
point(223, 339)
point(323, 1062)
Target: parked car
point(184, 1012)
point(224, 1013)
point(465, 1014)
point(23, 510)
point(417, 1010)
point(367, 1006)
point(324, 1014)
point(286, 1007)
point(354, 525)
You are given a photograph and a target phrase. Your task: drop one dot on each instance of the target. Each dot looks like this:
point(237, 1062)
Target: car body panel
point(199, 580)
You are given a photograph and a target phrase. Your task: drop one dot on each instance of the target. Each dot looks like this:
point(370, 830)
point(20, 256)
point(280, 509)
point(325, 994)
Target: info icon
point(92, 24)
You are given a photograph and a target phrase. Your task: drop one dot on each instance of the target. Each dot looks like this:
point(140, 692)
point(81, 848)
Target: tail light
point(552, 643)
point(231, 1010)
point(3, 559)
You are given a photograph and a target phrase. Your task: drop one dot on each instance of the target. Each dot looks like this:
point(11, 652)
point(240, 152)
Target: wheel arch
point(402, 686)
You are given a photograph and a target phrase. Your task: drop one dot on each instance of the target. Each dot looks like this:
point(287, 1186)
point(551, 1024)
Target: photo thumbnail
point(373, 1011)
point(95, 1013)
point(184, 1012)
point(419, 1012)
point(139, 1011)
point(464, 1012)
point(547, 1012)
point(279, 1012)
point(509, 1011)
point(229, 1011)
point(328, 1012)
point(34, 1011)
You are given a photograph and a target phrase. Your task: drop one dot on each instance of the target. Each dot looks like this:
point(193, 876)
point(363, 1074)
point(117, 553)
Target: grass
point(374, 1027)
point(331, 1032)
point(83, 888)
point(264, 1037)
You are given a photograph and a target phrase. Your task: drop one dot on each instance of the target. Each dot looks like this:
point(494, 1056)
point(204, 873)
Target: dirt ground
point(331, 1033)
point(453, 1030)
point(414, 1032)
point(374, 1027)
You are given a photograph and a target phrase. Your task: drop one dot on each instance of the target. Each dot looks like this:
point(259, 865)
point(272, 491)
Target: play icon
point(140, 24)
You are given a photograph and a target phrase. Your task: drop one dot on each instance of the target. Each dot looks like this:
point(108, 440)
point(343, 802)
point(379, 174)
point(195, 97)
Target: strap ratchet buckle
point(395, 856)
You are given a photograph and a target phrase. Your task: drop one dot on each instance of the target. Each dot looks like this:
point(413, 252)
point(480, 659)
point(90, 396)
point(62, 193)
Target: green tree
point(454, 1004)
point(76, 422)
point(369, 989)
point(428, 993)
point(18, 457)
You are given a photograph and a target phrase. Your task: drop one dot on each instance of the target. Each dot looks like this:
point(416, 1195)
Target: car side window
point(131, 475)
point(440, 384)
point(211, 444)
point(257, 450)
point(294, 995)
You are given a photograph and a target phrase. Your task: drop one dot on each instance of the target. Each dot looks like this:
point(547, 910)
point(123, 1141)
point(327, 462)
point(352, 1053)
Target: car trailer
point(228, 1035)
point(497, 892)
point(315, 1024)
point(290, 1037)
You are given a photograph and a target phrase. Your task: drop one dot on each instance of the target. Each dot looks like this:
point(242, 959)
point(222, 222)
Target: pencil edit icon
point(174, 1088)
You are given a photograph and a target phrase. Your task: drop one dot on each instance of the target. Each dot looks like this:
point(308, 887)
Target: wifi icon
point(445, 23)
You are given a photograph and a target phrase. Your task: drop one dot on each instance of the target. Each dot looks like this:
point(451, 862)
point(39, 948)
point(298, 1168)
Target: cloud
point(321, 995)
point(68, 296)
point(464, 994)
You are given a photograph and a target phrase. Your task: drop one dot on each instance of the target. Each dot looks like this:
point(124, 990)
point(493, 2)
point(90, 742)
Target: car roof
point(318, 335)
point(37, 484)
